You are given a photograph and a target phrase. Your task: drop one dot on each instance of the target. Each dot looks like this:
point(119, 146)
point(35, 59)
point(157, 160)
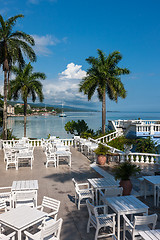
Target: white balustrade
point(35, 142)
point(148, 158)
point(109, 137)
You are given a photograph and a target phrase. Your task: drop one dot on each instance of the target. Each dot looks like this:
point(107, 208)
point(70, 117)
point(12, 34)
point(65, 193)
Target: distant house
point(10, 110)
point(20, 105)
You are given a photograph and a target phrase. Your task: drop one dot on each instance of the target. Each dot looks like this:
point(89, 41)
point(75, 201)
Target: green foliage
point(78, 127)
point(102, 149)
point(104, 76)
point(146, 145)
point(10, 135)
point(125, 170)
point(120, 141)
point(70, 127)
point(86, 135)
point(20, 110)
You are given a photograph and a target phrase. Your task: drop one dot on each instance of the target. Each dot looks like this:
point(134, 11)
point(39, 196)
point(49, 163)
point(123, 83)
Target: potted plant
point(101, 151)
point(123, 172)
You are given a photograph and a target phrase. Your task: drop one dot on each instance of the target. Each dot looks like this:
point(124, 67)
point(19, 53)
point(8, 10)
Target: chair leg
point(79, 202)
point(96, 234)
point(124, 231)
point(88, 226)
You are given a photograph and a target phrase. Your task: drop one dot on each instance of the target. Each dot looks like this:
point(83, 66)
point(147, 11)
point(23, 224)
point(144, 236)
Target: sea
point(41, 126)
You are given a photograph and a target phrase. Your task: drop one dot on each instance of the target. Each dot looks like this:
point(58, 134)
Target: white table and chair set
point(127, 212)
point(20, 153)
point(23, 214)
point(57, 151)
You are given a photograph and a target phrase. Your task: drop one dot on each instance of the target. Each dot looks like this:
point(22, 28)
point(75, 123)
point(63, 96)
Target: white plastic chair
point(11, 160)
point(82, 191)
point(48, 231)
point(52, 204)
point(110, 192)
point(21, 198)
point(51, 158)
point(99, 221)
point(140, 223)
point(3, 206)
point(10, 236)
point(5, 195)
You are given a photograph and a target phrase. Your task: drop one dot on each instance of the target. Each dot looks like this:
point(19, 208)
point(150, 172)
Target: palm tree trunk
point(5, 107)
point(104, 113)
point(25, 117)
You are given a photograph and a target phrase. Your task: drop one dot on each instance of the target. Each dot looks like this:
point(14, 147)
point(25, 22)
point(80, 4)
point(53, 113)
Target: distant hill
point(66, 108)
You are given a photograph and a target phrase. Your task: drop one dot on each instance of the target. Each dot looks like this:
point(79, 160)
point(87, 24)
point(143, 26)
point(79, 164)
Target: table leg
point(154, 195)
point(118, 226)
point(19, 235)
point(70, 160)
point(57, 160)
point(145, 188)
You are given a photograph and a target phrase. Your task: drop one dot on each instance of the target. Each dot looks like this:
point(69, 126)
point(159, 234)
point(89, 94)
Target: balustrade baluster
point(147, 159)
point(132, 158)
point(152, 159)
point(137, 158)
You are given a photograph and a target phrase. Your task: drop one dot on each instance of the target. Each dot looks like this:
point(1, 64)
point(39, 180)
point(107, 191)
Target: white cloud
point(42, 44)
point(72, 72)
point(66, 87)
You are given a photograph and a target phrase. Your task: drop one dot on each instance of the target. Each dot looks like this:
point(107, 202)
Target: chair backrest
point(3, 205)
point(53, 229)
point(113, 192)
point(75, 184)
point(51, 203)
point(11, 158)
point(25, 198)
point(91, 209)
point(145, 220)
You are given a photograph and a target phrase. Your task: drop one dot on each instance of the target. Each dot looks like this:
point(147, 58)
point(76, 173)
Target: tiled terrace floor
point(56, 183)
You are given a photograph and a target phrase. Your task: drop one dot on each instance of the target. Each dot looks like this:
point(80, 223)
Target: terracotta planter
point(127, 187)
point(101, 159)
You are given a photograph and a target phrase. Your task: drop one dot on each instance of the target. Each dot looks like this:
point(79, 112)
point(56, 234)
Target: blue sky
point(67, 32)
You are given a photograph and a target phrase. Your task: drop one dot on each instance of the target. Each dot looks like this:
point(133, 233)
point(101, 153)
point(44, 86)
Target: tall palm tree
point(26, 84)
point(104, 76)
point(12, 46)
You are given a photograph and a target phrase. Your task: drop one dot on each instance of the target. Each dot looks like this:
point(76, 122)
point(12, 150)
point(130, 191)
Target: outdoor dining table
point(63, 153)
point(102, 183)
point(125, 205)
point(26, 185)
point(21, 218)
point(155, 181)
point(150, 235)
point(25, 155)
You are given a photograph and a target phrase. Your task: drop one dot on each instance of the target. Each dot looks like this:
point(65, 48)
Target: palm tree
point(26, 84)
point(12, 46)
point(104, 76)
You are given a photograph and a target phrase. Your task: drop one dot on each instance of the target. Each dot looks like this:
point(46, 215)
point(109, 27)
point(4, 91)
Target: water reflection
point(41, 126)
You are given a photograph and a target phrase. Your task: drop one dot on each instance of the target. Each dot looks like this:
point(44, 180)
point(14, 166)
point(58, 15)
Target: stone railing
point(149, 158)
point(109, 137)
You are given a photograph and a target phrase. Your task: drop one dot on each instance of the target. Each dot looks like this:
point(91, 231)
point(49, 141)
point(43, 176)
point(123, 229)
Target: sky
point(68, 32)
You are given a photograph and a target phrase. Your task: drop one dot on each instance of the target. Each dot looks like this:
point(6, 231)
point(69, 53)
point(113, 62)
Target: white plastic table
point(26, 185)
point(25, 155)
point(101, 183)
point(125, 205)
point(63, 153)
point(150, 235)
point(155, 181)
point(21, 218)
